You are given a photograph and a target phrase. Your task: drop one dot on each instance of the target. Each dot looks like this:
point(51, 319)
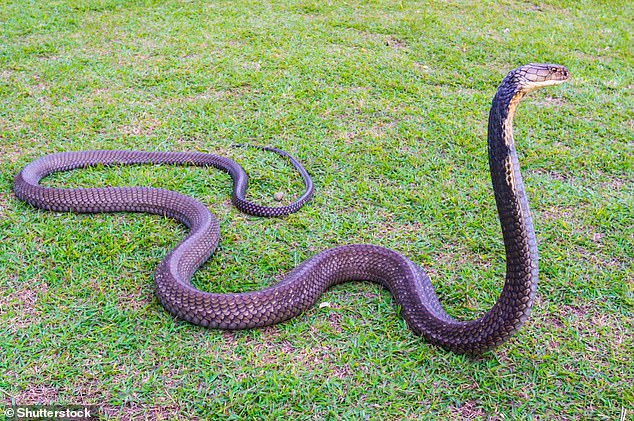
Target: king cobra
point(300, 289)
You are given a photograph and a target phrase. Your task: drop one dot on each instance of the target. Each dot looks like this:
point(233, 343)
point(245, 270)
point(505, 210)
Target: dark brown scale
point(302, 287)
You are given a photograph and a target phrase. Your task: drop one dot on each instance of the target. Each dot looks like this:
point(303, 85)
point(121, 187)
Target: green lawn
point(385, 103)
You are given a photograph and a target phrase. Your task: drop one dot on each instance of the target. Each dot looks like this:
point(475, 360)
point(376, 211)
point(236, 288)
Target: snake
point(300, 289)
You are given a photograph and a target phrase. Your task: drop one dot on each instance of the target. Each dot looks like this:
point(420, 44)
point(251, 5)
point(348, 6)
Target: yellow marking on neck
point(508, 124)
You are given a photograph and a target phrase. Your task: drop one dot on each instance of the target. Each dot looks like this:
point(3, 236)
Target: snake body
point(301, 288)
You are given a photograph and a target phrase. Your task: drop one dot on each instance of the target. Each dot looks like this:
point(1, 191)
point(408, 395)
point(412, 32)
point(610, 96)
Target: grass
point(386, 105)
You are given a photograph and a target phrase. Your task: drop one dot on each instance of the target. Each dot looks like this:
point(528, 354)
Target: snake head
point(534, 76)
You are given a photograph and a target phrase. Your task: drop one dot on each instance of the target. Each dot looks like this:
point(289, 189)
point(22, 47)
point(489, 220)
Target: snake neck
point(513, 306)
point(513, 209)
point(510, 197)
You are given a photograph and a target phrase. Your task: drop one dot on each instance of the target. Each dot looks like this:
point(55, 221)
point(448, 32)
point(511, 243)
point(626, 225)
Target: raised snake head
point(534, 76)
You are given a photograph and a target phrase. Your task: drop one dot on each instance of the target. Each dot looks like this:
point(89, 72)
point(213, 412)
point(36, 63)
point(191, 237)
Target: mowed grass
point(385, 103)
